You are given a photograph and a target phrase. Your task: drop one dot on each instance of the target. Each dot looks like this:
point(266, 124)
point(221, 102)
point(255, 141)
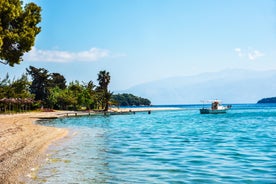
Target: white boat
point(216, 108)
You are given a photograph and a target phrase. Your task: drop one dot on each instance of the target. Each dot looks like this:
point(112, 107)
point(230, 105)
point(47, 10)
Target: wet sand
point(23, 144)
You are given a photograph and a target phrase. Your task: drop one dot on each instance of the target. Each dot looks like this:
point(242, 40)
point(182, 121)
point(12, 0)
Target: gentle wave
point(166, 147)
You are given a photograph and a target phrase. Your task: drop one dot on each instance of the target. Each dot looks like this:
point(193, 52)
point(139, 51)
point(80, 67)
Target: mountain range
point(230, 86)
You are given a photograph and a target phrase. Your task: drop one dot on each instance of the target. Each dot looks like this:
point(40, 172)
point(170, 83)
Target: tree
point(4, 86)
point(15, 95)
point(76, 89)
point(58, 80)
point(104, 80)
point(61, 98)
point(20, 88)
point(43, 82)
point(90, 88)
point(40, 83)
point(18, 29)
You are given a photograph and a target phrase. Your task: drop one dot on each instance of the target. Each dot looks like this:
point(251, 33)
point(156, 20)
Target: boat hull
point(210, 111)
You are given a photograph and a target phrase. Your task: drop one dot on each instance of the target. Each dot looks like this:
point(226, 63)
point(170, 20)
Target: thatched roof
point(17, 100)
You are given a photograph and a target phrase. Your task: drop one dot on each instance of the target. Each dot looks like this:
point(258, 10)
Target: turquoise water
point(166, 147)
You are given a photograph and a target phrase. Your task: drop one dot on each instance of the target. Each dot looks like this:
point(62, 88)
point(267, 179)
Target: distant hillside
point(267, 100)
point(130, 100)
point(230, 86)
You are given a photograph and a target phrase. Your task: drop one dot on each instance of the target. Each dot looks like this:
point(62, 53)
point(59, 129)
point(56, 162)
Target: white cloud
point(238, 50)
point(250, 53)
point(94, 54)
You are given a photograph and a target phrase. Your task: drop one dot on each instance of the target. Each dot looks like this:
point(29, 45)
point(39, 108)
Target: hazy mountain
point(231, 86)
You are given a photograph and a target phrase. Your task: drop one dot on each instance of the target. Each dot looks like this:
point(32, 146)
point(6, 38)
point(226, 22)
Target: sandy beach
point(23, 144)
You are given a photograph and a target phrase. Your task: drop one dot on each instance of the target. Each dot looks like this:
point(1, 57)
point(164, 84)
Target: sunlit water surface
point(166, 147)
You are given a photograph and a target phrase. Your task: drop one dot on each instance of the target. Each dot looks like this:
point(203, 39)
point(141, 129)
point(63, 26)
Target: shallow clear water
point(166, 147)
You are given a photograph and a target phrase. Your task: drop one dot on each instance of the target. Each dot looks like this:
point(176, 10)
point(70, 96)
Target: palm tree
point(104, 80)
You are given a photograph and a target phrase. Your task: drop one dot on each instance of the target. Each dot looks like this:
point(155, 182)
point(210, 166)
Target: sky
point(139, 41)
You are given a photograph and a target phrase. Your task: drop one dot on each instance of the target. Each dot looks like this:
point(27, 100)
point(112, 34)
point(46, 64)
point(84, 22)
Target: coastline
point(143, 109)
point(23, 143)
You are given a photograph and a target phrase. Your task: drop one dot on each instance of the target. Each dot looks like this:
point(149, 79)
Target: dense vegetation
point(130, 100)
point(267, 100)
point(49, 90)
point(18, 29)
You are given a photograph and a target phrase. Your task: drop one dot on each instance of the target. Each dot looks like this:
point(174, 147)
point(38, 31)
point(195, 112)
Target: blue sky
point(139, 41)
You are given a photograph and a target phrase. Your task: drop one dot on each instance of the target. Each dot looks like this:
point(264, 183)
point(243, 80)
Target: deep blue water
point(166, 147)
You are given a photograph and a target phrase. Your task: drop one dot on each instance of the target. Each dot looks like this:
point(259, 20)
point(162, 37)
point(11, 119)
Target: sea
point(172, 146)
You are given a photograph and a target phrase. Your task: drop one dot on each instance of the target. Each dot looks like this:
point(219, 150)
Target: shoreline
point(143, 109)
point(23, 144)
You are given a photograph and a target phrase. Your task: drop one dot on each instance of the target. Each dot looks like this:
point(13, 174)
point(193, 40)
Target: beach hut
point(15, 104)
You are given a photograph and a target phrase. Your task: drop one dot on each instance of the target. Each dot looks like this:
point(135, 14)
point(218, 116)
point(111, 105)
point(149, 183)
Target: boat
point(216, 108)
